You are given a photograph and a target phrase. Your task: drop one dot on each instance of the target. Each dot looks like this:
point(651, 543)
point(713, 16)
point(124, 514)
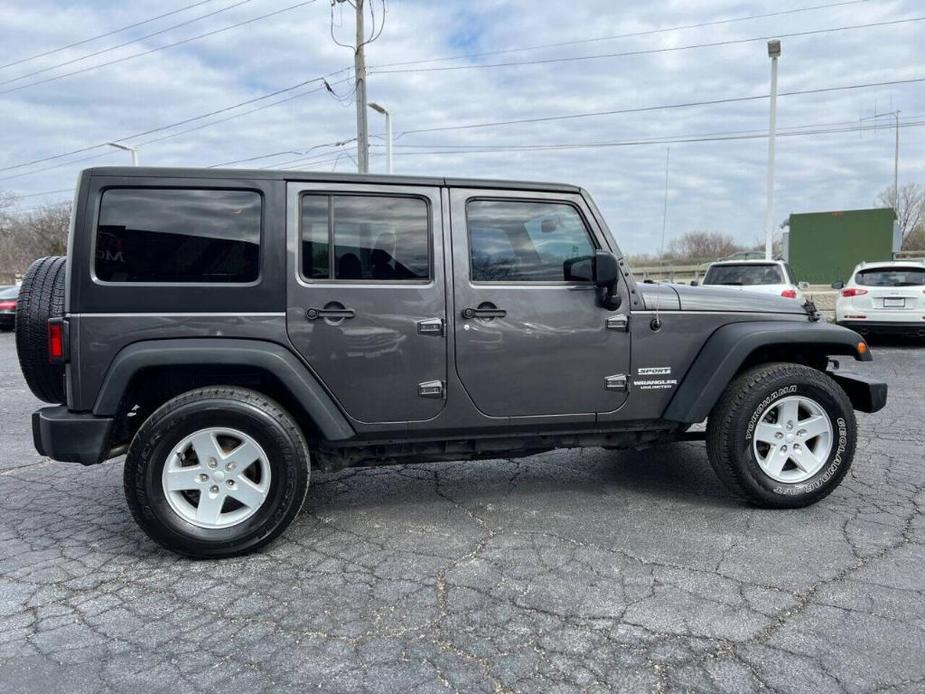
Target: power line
point(650, 51)
point(680, 139)
point(169, 126)
point(125, 43)
point(503, 150)
point(634, 34)
point(338, 143)
point(660, 107)
point(240, 115)
point(159, 48)
point(836, 126)
point(104, 35)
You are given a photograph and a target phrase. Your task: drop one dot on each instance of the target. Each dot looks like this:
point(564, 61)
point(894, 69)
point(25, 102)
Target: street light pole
point(388, 133)
point(127, 148)
point(896, 165)
point(774, 54)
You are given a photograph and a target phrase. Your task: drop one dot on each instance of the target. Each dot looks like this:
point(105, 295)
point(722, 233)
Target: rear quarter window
point(173, 235)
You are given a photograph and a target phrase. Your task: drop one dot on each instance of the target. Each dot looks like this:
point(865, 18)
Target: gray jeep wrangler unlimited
point(227, 330)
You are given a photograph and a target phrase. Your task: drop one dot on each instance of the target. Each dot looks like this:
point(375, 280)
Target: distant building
point(824, 247)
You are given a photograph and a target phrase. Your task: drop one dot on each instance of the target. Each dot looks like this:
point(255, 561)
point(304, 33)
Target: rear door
point(366, 301)
point(530, 336)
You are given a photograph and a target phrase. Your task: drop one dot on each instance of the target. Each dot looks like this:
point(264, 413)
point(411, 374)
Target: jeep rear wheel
point(782, 435)
point(216, 472)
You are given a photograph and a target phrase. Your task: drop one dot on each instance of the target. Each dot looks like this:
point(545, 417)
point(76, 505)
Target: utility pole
point(895, 115)
point(359, 67)
point(773, 54)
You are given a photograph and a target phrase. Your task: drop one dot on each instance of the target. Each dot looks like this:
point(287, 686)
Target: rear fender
point(267, 356)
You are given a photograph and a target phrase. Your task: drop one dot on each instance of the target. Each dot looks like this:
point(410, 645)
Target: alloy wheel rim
point(793, 439)
point(216, 477)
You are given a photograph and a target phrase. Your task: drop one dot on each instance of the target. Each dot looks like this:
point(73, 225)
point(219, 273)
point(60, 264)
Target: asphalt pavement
point(573, 570)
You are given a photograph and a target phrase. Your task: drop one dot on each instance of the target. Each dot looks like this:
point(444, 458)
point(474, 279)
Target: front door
point(531, 338)
point(366, 297)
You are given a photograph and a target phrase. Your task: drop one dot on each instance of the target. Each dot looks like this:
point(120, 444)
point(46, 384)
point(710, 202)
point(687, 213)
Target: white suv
point(884, 297)
point(764, 276)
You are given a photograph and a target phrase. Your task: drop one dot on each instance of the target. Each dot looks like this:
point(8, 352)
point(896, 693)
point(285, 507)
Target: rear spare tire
point(41, 297)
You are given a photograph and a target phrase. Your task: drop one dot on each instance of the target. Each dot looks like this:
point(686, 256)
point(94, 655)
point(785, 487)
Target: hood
point(676, 297)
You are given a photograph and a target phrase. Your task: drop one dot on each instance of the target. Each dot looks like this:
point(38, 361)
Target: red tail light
point(789, 293)
point(55, 340)
point(853, 291)
point(7, 305)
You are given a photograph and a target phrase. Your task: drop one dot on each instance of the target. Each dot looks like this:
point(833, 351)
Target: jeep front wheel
point(216, 472)
point(782, 435)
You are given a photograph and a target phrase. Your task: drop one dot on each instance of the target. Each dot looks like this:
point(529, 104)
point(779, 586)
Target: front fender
point(727, 349)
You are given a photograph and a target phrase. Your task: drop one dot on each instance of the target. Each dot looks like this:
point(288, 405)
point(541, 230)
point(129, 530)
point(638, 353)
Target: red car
point(8, 296)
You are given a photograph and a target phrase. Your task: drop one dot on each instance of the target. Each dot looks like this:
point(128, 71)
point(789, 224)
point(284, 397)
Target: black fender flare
point(268, 356)
point(728, 347)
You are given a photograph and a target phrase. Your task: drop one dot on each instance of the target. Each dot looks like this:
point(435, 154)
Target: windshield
point(891, 277)
point(9, 292)
point(744, 275)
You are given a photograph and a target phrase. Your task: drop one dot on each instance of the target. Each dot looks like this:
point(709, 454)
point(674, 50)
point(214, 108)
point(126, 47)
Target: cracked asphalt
point(569, 571)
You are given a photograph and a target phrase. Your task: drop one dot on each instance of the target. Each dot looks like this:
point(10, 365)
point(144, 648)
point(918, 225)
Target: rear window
point(178, 235)
point(744, 275)
point(891, 277)
point(9, 292)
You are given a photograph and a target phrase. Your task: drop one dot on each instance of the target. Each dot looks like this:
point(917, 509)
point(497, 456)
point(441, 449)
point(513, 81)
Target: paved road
point(566, 571)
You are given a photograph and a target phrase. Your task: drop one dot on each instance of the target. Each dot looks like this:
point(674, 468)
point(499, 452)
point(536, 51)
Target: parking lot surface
point(573, 570)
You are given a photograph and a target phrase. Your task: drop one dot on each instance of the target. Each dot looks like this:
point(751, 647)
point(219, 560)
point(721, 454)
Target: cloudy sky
point(444, 67)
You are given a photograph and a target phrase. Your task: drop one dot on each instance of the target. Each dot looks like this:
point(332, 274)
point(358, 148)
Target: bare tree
point(915, 241)
point(703, 245)
point(27, 235)
point(910, 208)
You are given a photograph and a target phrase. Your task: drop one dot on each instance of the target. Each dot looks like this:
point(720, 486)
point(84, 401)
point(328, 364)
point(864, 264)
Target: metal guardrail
point(671, 273)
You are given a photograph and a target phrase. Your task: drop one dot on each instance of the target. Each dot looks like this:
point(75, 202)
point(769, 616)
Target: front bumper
point(886, 327)
point(866, 394)
point(71, 437)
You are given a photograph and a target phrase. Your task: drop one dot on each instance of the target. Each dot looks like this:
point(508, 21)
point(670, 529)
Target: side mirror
point(606, 275)
point(838, 285)
point(695, 283)
point(802, 286)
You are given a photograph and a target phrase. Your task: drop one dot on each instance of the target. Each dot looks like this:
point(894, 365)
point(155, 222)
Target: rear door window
point(744, 275)
point(365, 237)
point(162, 235)
point(891, 277)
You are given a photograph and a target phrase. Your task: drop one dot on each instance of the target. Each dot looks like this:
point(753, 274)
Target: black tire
point(732, 422)
point(221, 406)
point(41, 297)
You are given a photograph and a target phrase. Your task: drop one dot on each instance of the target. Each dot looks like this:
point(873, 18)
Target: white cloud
point(714, 185)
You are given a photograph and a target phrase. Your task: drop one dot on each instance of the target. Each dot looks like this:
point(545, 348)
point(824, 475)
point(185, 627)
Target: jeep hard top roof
point(325, 176)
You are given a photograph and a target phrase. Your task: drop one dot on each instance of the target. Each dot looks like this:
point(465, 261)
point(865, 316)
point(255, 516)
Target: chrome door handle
point(334, 313)
point(483, 313)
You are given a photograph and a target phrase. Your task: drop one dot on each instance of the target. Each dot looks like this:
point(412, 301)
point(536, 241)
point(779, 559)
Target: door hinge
point(619, 322)
point(617, 382)
point(431, 389)
point(430, 326)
